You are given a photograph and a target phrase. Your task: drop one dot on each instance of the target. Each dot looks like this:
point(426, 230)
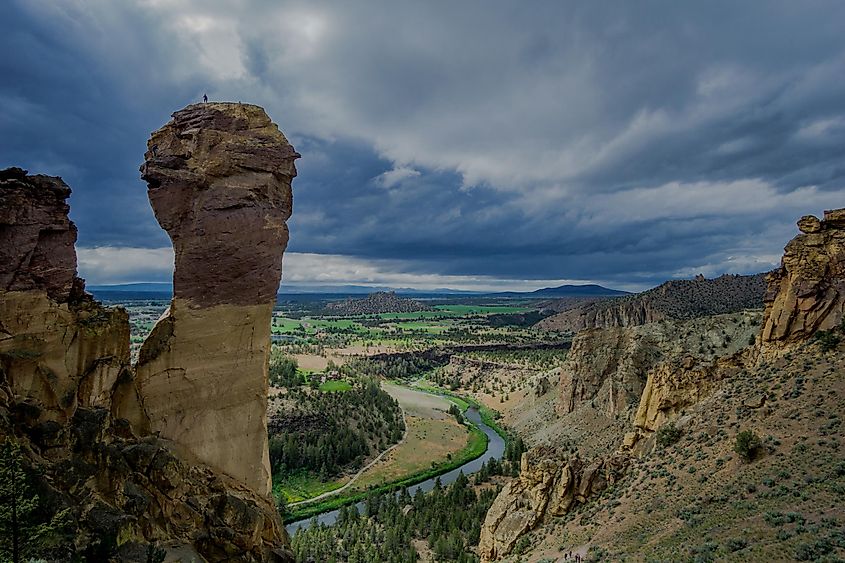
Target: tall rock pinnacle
point(219, 179)
point(807, 293)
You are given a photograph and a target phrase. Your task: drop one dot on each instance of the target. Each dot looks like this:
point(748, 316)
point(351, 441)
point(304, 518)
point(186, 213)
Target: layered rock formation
point(676, 384)
point(676, 299)
point(219, 180)
point(666, 370)
point(547, 486)
point(610, 368)
point(807, 293)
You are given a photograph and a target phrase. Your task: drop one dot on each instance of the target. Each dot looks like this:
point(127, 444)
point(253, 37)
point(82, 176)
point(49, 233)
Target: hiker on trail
point(204, 99)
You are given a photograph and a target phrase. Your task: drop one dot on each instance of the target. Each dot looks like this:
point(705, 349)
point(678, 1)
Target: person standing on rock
point(205, 98)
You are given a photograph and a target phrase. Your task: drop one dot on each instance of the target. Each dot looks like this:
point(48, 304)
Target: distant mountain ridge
point(675, 299)
point(587, 290)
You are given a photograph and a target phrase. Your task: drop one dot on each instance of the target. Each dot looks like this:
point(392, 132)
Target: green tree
point(24, 528)
point(747, 445)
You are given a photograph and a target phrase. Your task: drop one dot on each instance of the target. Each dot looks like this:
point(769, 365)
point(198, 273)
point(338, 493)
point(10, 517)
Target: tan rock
point(807, 293)
point(809, 224)
point(546, 486)
point(675, 385)
point(609, 369)
point(68, 395)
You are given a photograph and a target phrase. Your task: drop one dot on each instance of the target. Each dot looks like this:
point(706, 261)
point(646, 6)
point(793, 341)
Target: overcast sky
point(465, 144)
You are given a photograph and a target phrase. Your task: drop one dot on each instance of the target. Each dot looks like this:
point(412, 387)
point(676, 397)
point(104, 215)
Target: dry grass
point(429, 440)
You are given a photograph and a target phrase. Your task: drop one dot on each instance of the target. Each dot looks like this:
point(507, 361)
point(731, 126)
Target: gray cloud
point(617, 142)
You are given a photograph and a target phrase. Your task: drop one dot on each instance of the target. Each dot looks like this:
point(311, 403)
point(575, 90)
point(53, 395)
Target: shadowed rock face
point(807, 293)
point(675, 299)
point(36, 236)
point(219, 182)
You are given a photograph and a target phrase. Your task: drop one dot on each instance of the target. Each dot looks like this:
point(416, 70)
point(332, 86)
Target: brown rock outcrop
point(219, 182)
point(547, 486)
point(58, 347)
point(36, 236)
point(675, 299)
point(674, 385)
point(807, 293)
point(68, 396)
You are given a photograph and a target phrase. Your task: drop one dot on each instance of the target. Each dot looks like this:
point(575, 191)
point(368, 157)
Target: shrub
point(736, 544)
point(747, 445)
point(668, 434)
point(827, 339)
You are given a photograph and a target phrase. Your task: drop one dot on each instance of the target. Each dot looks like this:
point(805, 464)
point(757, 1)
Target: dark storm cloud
point(619, 142)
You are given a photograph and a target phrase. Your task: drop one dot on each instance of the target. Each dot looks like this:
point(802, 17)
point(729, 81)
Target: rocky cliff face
point(547, 486)
point(676, 299)
point(219, 180)
point(807, 293)
point(684, 372)
point(59, 348)
point(610, 368)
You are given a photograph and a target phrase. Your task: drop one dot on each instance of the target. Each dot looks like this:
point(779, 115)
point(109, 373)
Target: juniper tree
point(24, 530)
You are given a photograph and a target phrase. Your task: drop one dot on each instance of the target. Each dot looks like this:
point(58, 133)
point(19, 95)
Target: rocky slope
point(219, 183)
point(375, 303)
point(710, 379)
point(676, 299)
point(145, 461)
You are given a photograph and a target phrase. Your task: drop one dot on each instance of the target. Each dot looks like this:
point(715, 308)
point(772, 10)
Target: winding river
point(495, 449)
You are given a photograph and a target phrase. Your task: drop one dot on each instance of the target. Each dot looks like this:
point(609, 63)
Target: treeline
point(449, 519)
point(391, 367)
point(328, 432)
point(529, 318)
point(282, 372)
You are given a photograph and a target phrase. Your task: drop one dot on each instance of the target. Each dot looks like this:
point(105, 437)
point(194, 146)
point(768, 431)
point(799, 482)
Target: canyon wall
point(219, 179)
point(652, 374)
point(548, 486)
point(610, 368)
point(60, 349)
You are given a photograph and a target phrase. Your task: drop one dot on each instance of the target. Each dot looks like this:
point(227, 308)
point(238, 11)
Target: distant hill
point(375, 303)
point(587, 290)
point(676, 299)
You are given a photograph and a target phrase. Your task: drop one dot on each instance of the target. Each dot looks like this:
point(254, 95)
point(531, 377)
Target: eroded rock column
point(219, 178)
